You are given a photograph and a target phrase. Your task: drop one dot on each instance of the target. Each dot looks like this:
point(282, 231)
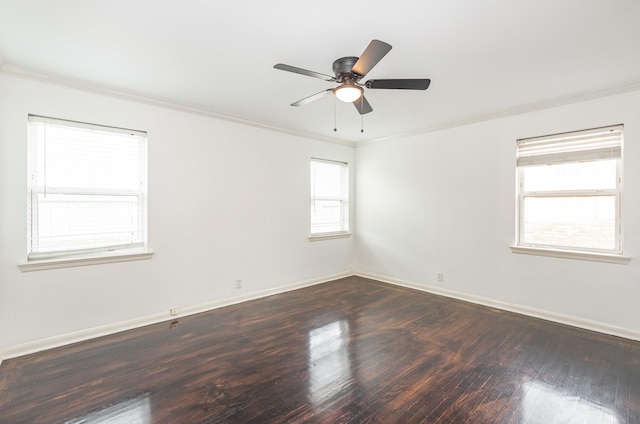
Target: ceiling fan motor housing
point(342, 69)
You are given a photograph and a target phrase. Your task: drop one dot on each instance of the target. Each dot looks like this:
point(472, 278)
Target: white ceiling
point(484, 57)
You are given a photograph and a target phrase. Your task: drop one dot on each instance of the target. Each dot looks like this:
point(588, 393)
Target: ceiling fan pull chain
point(335, 119)
point(361, 116)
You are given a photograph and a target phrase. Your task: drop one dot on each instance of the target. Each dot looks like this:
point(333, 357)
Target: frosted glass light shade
point(348, 93)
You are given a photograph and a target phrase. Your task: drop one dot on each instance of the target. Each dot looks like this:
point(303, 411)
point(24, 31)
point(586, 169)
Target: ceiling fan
point(349, 71)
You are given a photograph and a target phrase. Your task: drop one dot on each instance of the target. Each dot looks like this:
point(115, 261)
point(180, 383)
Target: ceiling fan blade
point(362, 105)
point(312, 97)
point(375, 51)
point(301, 71)
point(399, 84)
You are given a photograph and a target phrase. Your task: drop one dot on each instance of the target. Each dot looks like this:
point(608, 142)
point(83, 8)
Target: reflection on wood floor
point(349, 351)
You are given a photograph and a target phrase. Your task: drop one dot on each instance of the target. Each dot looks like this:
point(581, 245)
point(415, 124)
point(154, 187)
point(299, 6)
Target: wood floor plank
point(349, 351)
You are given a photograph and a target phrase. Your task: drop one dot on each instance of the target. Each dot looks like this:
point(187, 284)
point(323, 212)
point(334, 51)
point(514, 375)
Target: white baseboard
point(105, 330)
point(511, 307)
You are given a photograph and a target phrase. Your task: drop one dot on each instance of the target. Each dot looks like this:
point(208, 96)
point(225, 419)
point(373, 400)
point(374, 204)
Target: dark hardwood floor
point(348, 351)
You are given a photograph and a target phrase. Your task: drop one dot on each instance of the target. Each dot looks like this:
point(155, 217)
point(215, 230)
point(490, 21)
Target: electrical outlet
point(440, 276)
point(173, 311)
point(238, 283)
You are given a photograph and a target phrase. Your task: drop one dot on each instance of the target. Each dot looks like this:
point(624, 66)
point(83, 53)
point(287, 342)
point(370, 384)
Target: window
point(569, 191)
point(87, 188)
point(329, 197)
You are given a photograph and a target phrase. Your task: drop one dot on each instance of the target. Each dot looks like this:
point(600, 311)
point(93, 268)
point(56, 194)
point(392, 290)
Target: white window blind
point(86, 188)
point(578, 146)
point(570, 191)
point(329, 197)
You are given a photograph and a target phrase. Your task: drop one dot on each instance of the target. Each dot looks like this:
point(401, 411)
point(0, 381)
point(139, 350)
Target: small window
point(329, 197)
point(569, 191)
point(87, 188)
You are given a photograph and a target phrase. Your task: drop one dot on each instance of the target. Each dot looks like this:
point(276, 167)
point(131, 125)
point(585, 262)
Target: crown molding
point(516, 110)
point(19, 72)
point(15, 71)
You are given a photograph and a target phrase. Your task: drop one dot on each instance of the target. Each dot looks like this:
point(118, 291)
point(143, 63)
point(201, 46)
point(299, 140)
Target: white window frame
point(557, 149)
point(343, 199)
point(37, 258)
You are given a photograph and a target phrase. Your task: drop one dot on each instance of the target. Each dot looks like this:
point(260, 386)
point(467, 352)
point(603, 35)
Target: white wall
point(226, 201)
point(445, 202)
point(230, 201)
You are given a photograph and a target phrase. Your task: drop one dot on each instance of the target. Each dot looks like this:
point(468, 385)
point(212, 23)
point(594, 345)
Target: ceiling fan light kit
point(349, 70)
point(348, 93)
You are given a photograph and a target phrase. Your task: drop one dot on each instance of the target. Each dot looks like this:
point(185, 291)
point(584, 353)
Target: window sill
point(572, 254)
point(329, 236)
point(96, 259)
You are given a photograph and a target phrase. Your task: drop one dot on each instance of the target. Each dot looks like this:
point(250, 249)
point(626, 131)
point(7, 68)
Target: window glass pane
point(326, 216)
point(329, 197)
point(595, 175)
point(578, 222)
point(74, 222)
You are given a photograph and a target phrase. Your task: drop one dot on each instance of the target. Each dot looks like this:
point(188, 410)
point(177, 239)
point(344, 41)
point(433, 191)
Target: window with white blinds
point(570, 191)
point(329, 197)
point(87, 188)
